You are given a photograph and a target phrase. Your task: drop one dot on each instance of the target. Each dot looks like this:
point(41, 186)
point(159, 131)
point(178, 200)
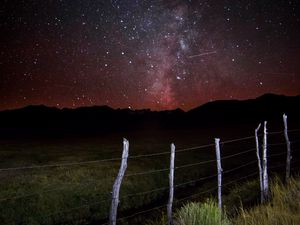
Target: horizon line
point(141, 109)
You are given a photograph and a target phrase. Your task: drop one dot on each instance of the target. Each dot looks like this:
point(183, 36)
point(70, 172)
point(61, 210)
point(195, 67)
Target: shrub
point(206, 213)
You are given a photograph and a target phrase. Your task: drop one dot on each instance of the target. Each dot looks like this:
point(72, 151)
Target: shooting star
point(202, 54)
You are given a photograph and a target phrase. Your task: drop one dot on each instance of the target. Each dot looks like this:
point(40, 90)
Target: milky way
point(158, 54)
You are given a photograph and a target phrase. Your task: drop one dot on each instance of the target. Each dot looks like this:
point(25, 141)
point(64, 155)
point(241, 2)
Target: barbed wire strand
point(277, 144)
point(239, 167)
point(241, 178)
point(293, 130)
point(275, 132)
point(283, 164)
point(139, 213)
point(168, 152)
point(213, 160)
point(276, 154)
point(79, 207)
point(98, 161)
point(59, 164)
point(194, 195)
point(194, 148)
point(215, 188)
point(252, 136)
point(146, 192)
point(194, 181)
point(147, 172)
point(80, 186)
point(237, 139)
point(239, 153)
point(148, 155)
point(194, 164)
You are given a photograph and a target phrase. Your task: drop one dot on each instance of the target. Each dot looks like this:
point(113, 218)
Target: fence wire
point(156, 171)
point(134, 156)
point(145, 192)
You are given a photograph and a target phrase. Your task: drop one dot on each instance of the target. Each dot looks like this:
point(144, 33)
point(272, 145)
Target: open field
point(80, 193)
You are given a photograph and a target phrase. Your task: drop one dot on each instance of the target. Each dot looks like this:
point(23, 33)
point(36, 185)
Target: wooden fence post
point(219, 167)
point(288, 148)
point(265, 165)
point(259, 165)
point(171, 184)
point(117, 184)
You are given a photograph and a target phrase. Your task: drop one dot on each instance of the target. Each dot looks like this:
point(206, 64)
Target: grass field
point(80, 194)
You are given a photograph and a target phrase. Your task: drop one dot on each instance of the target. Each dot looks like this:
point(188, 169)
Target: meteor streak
point(202, 54)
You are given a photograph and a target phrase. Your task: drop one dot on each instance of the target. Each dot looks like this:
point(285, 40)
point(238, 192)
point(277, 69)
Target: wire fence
point(106, 197)
point(159, 171)
point(67, 164)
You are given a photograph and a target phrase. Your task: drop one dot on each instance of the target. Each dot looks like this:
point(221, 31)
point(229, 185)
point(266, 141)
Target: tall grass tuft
point(283, 209)
point(206, 213)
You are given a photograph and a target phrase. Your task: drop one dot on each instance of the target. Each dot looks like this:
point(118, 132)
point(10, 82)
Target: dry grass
point(283, 209)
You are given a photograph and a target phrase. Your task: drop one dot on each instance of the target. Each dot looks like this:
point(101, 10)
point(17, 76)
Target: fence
point(172, 169)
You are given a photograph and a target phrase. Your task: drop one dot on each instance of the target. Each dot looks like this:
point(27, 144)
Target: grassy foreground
point(80, 194)
point(282, 209)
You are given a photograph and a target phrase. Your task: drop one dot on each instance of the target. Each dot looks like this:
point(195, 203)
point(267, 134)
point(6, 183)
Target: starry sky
point(157, 54)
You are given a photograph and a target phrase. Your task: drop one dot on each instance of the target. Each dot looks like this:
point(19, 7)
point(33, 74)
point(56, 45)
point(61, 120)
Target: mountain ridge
point(103, 119)
point(42, 106)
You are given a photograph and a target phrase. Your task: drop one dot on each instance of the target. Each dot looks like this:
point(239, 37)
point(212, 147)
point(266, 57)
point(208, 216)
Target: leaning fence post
point(117, 184)
point(288, 148)
point(259, 164)
point(265, 164)
point(219, 167)
point(171, 184)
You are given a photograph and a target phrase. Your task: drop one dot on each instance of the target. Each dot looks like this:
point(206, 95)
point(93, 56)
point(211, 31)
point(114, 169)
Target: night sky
point(146, 54)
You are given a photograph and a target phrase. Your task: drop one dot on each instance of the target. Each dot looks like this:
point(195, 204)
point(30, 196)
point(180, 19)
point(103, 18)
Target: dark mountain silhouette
point(265, 107)
point(43, 120)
